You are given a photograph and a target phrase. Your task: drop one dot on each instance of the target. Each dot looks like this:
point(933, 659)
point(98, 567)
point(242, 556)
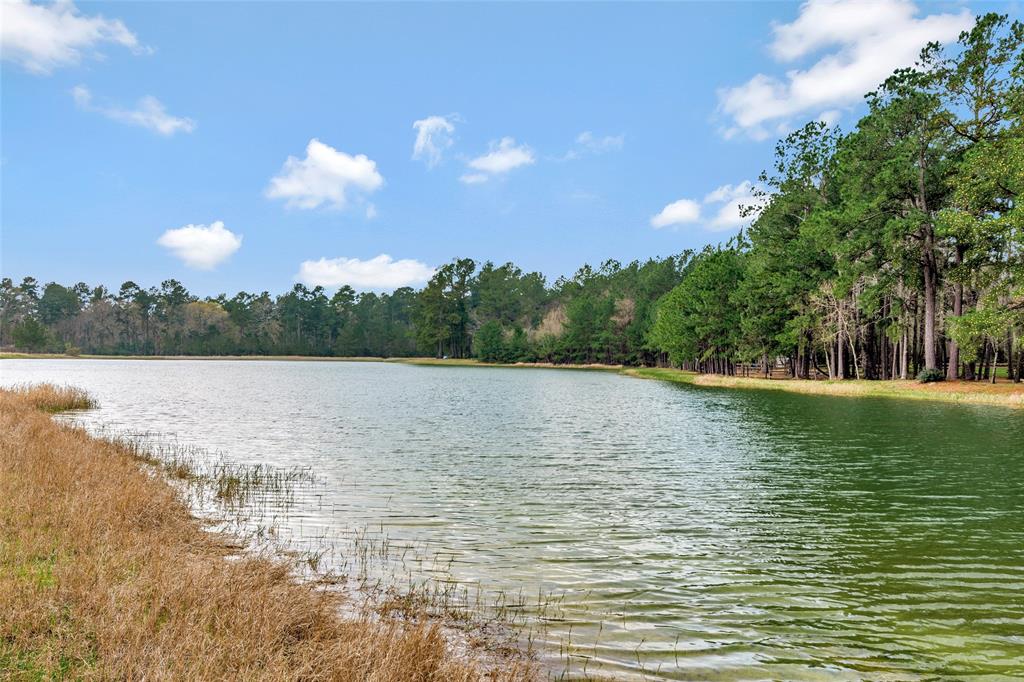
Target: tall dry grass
point(52, 398)
point(1005, 394)
point(104, 574)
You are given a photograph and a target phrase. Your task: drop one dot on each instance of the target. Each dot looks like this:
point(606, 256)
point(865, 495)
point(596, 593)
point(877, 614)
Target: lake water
point(688, 533)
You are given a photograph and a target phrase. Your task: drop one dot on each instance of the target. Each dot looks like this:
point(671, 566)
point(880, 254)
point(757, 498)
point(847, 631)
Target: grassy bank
point(469, 362)
point(104, 574)
point(1004, 394)
point(448, 362)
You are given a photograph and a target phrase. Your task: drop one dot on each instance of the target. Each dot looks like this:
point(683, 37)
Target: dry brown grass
point(52, 398)
point(104, 574)
point(1003, 393)
point(983, 393)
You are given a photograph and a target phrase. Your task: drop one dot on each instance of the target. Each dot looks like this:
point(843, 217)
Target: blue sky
point(245, 146)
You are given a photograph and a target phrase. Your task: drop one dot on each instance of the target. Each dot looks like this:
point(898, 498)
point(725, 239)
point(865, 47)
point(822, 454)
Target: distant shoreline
point(296, 358)
point(443, 362)
point(1002, 394)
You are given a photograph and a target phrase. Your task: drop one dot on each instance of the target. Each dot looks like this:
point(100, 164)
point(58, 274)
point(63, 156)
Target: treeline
point(894, 250)
point(495, 313)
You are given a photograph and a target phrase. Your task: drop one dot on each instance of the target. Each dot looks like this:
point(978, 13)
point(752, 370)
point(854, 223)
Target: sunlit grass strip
point(971, 392)
point(677, 376)
point(104, 574)
point(470, 362)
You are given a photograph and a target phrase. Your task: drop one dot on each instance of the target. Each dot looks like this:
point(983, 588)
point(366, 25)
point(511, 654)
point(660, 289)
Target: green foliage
point(978, 327)
point(489, 342)
point(697, 320)
point(928, 376)
point(58, 303)
point(30, 334)
point(603, 314)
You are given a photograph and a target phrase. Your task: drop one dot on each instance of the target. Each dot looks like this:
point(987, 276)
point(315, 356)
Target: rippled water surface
point(691, 533)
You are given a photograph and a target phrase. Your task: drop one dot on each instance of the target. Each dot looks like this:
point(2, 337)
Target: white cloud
point(868, 39)
point(726, 204)
point(381, 272)
point(325, 176)
point(371, 212)
point(433, 136)
point(727, 192)
point(731, 200)
point(44, 37)
point(679, 212)
point(503, 156)
point(200, 246)
point(149, 113)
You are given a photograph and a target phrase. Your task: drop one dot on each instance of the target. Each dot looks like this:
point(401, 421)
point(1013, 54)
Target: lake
point(684, 532)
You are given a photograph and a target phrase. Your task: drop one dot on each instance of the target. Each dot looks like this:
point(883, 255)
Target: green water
point(690, 533)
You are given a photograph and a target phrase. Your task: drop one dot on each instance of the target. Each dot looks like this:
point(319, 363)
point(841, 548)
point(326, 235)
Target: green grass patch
point(677, 376)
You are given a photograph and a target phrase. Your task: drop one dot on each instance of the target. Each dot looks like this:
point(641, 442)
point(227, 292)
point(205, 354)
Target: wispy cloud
point(433, 137)
point(149, 113)
point(589, 143)
point(325, 176)
point(42, 38)
point(504, 156)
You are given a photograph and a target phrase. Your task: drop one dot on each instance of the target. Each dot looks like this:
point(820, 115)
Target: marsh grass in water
point(52, 398)
point(378, 580)
point(105, 573)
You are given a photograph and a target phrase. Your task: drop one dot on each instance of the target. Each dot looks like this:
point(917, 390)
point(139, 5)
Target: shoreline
point(1001, 394)
point(441, 362)
point(105, 571)
point(171, 358)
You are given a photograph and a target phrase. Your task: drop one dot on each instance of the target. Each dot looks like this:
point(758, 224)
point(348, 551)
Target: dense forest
point(893, 250)
point(495, 313)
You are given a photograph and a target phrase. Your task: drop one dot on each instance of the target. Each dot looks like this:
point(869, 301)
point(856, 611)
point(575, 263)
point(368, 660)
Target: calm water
point(693, 533)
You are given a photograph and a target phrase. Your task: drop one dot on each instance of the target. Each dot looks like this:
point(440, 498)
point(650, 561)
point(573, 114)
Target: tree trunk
point(904, 357)
point(986, 361)
point(1020, 366)
point(930, 285)
point(952, 347)
point(883, 360)
point(895, 358)
point(1010, 355)
point(853, 357)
